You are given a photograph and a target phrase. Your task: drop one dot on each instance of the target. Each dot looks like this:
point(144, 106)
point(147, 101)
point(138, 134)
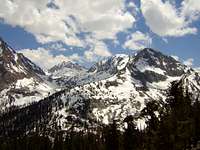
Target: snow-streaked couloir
point(21, 81)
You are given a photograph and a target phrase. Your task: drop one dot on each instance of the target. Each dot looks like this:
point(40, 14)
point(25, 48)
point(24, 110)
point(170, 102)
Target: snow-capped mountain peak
point(16, 62)
point(121, 85)
point(20, 78)
point(5, 48)
point(64, 64)
point(166, 65)
point(111, 65)
point(66, 73)
point(115, 87)
point(150, 66)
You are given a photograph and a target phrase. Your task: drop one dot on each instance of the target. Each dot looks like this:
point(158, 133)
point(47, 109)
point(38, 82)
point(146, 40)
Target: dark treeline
point(106, 138)
point(171, 125)
point(32, 118)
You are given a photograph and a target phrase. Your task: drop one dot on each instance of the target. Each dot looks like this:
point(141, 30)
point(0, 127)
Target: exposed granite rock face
point(150, 66)
point(64, 64)
point(111, 65)
point(14, 66)
point(156, 59)
point(21, 81)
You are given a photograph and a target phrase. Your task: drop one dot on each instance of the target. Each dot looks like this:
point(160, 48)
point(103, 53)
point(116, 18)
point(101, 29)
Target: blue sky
point(91, 30)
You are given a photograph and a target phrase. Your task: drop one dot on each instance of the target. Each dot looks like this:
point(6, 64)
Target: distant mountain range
point(75, 96)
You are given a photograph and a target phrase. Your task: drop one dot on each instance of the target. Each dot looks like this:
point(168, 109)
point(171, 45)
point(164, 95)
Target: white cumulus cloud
point(137, 41)
point(45, 59)
point(103, 19)
point(164, 19)
point(97, 49)
point(191, 9)
point(189, 62)
point(63, 21)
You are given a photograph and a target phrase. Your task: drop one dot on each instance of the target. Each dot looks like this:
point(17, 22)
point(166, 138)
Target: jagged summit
point(65, 64)
point(19, 77)
point(150, 51)
point(110, 65)
point(14, 66)
point(5, 47)
point(148, 59)
point(140, 60)
point(66, 73)
point(9, 55)
point(147, 65)
point(154, 57)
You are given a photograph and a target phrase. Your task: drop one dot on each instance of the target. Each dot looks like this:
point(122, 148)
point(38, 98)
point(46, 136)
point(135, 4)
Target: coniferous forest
point(171, 125)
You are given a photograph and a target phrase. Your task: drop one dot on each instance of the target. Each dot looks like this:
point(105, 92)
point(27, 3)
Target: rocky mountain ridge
point(120, 86)
point(111, 89)
point(21, 80)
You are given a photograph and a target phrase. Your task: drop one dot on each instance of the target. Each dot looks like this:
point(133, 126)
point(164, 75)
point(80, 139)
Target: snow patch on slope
point(142, 65)
point(24, 92)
